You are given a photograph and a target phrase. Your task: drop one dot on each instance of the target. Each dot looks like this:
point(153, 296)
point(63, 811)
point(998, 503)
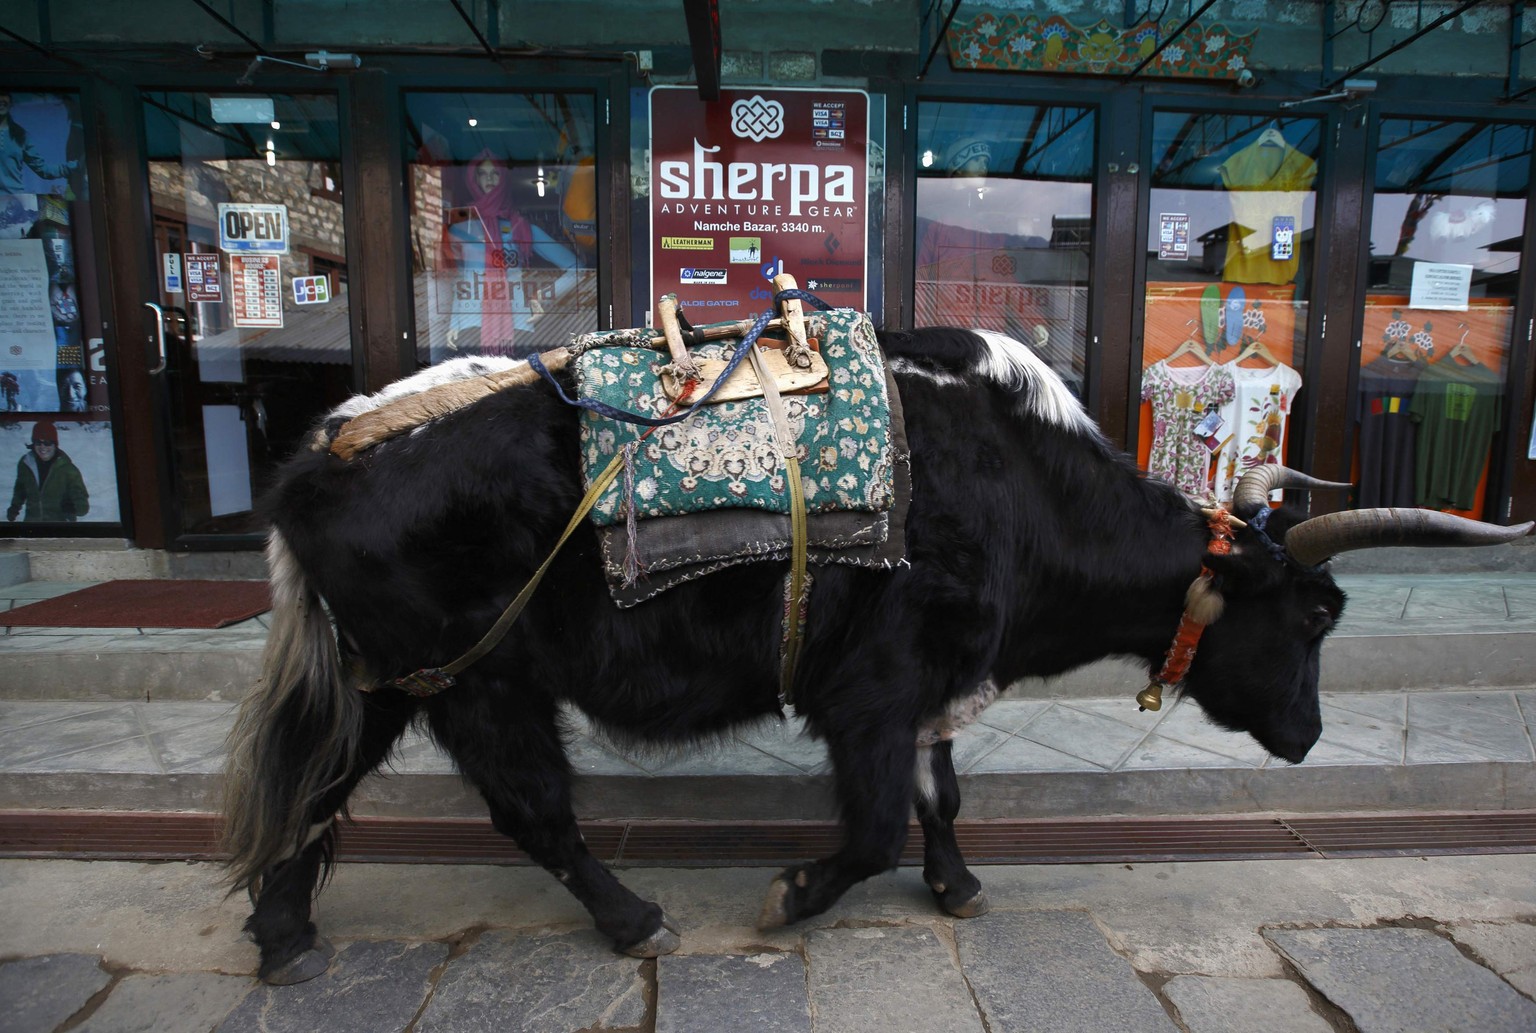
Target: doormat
point(147, 604)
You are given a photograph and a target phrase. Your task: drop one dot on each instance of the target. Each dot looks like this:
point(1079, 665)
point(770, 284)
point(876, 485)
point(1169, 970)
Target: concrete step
point(1429, 704)
point(1451, 751)
point(1399, 633)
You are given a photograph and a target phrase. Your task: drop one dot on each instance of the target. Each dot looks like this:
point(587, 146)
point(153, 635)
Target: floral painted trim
point(1028, 43)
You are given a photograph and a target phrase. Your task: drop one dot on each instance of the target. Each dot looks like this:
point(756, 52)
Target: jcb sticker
point(254, 228)
point(311, 290)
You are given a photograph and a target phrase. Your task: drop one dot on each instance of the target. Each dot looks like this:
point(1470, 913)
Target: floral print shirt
point(1181, 396)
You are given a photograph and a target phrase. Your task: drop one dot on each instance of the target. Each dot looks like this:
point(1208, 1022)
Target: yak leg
point(291, 951)
point(520, 768)
point(874, 773)
point(938, 802)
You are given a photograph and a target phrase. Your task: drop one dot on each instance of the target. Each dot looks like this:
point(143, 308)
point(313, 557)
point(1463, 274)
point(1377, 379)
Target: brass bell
point(1151, 697)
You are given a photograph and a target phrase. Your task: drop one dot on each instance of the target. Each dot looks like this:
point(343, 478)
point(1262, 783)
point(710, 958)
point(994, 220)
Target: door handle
point(159, 336)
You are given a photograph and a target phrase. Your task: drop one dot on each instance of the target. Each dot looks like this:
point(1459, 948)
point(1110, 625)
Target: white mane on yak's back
point(1014, 365)
point(443, 373)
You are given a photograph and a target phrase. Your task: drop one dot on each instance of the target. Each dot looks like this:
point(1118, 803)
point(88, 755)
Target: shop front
point(1230, 258)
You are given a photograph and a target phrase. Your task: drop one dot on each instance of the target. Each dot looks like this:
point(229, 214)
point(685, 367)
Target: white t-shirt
point(1256, 418)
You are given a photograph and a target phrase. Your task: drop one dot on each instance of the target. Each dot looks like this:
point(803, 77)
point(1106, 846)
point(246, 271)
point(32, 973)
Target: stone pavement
point(1296, 946)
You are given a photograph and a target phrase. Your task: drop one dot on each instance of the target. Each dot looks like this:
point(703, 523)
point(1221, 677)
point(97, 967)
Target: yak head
point(1257, 665)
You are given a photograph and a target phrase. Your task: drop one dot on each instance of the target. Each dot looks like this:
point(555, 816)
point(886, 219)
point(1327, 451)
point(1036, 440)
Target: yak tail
point(296, 736)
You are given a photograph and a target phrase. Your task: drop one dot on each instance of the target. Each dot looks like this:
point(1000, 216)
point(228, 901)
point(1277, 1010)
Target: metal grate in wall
point(99, 835)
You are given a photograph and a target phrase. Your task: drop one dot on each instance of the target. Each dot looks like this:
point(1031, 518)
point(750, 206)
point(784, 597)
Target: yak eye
point(1320, 619)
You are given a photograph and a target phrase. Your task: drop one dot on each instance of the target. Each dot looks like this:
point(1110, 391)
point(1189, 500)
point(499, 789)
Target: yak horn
point(1313, 541)
point(1252, 491)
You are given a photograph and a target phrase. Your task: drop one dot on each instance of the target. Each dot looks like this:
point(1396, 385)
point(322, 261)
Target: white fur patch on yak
point(444, 373)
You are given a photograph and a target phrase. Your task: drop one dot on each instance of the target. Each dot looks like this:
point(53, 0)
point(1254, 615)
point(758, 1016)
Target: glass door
point(247, 202)
point(1229, 243)
point(1446, 231)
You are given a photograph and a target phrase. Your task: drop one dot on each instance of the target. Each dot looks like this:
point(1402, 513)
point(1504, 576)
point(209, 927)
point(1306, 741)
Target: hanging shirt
point(1387, 432)
point(1265, 182)
point(1180, 397)
point(1255, 418)
point(1459, 409)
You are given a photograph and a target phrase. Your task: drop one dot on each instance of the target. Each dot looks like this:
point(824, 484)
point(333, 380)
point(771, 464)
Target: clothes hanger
point(1256, 349)
point(1272, 136)
point(1462, 350)
point(1190, 347)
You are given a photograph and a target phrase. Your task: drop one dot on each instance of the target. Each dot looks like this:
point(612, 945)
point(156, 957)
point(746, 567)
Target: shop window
point(56, 423)
point(1447, 221)
point(1229, 257)
point(503, 221)
point(1004, 196)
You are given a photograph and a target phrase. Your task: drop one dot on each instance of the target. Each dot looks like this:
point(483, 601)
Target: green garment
point(59, 497)
point(1458, 410)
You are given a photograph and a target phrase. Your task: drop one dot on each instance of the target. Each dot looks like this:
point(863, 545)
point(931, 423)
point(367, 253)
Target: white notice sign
point(1441, 285)
point(26, 325)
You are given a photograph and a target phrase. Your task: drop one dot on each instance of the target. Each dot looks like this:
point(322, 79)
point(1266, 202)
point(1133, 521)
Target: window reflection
point(503, 222)
point(1004, 196)
point(1447, 220)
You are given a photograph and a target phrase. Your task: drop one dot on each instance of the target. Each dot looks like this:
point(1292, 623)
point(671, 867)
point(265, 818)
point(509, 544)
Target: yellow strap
point(796, 579)
point(510, 614)
point(788, 447)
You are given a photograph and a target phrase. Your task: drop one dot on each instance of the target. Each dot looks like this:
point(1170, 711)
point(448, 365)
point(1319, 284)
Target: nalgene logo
point(704, 180)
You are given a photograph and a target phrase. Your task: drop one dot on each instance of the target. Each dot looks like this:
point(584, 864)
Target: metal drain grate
point(1389, 836)
point(134, 836)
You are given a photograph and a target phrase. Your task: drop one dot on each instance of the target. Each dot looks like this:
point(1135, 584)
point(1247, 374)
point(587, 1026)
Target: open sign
point(254, 228)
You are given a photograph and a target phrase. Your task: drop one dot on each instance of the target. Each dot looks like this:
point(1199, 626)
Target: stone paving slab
point(1052, 970)
point(1510, 950)
point(1209, 1004)
point(900, 979)
point(39, 993)
point(555, 983)
point(763, 992)
point(181, 1002)
point(371, 987)
point(1391, 980)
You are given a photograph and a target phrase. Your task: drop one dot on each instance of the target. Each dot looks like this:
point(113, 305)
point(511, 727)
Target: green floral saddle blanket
point(724, 456)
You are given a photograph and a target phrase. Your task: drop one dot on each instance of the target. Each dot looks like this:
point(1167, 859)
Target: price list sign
point(256, 290)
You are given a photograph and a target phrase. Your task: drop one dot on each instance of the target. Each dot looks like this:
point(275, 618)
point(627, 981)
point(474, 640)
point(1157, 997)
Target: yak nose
point(1297, 742)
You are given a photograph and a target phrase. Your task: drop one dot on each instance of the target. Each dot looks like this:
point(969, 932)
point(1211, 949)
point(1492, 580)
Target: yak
point(1032, 547)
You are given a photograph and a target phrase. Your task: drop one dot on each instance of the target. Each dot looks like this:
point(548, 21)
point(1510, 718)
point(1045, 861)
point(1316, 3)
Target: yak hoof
point(775, 912)
point(973, 908)
point(663, 941)
point(304, 967)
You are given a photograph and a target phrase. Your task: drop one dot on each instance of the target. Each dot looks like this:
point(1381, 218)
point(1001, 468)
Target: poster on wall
point(27, 340)
point(758, 183)
point(60, 470)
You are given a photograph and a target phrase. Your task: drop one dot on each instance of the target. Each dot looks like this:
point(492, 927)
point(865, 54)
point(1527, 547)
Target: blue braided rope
point(1258, 522)
point(625, 416)
point(796, 294)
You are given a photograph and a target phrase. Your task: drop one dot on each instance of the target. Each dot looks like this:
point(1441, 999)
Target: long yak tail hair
point(296, 736)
